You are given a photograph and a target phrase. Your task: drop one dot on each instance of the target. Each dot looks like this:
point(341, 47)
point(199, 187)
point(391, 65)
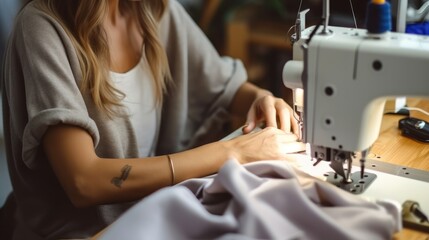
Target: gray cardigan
point(40, 88)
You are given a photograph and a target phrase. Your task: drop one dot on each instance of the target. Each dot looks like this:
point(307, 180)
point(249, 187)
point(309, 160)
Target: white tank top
point(138, 86)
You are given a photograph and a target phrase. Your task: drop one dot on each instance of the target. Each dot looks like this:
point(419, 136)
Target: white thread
point(353, 12)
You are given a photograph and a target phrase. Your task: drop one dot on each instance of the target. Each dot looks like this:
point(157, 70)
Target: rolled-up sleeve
point(38, 124)
point(47, 93)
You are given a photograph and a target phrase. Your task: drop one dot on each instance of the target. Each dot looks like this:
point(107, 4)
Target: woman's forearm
point(147, 175)
point(90, 180)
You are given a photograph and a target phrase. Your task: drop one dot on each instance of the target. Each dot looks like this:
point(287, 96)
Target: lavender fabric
point(263, 200)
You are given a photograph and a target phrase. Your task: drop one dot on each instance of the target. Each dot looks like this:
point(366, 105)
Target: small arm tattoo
point(125, 171)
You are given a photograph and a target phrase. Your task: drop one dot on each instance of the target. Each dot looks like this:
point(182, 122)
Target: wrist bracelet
point(173, 175)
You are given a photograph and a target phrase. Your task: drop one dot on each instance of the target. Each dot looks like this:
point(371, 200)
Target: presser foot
point(355, 184)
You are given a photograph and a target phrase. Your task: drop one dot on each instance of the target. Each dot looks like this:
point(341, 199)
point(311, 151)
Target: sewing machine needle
point(362, 167)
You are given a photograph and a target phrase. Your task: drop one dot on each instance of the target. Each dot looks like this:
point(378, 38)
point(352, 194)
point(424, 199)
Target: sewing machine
point(347, 76)
point(341, 79)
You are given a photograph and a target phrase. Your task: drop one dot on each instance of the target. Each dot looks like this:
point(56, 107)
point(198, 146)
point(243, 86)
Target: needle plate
point(356, 186)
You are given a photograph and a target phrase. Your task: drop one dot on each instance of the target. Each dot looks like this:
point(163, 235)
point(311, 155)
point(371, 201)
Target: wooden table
point(394, 148)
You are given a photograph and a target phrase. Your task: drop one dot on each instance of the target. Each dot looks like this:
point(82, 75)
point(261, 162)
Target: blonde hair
point(82, 20)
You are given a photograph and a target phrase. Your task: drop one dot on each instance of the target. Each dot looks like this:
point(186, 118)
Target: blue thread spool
point(378, 18)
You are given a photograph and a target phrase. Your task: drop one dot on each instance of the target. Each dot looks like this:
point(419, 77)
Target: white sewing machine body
point(347, 76)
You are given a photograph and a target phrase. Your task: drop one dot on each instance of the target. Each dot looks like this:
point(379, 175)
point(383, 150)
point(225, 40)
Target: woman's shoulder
point(32, 21)
point(175, 9)
point(175, 16)
point(32, 12)
point(37, 32)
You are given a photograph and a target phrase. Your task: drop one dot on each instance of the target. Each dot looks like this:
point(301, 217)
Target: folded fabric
point(261, 200)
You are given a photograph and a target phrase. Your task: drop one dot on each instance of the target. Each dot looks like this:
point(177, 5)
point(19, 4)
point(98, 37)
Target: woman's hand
point(275, 112)
point(268, 144)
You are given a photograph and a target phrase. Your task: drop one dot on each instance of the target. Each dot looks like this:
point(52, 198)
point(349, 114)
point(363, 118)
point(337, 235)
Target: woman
point(97, 93)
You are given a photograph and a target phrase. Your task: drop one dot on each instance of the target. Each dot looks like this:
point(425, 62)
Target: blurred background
point(8, 10)
point(258, 31)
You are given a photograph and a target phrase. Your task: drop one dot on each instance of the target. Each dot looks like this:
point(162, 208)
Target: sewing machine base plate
point(358, 184)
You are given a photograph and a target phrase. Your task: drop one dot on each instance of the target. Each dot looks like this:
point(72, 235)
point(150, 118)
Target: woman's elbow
point(81, 193)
